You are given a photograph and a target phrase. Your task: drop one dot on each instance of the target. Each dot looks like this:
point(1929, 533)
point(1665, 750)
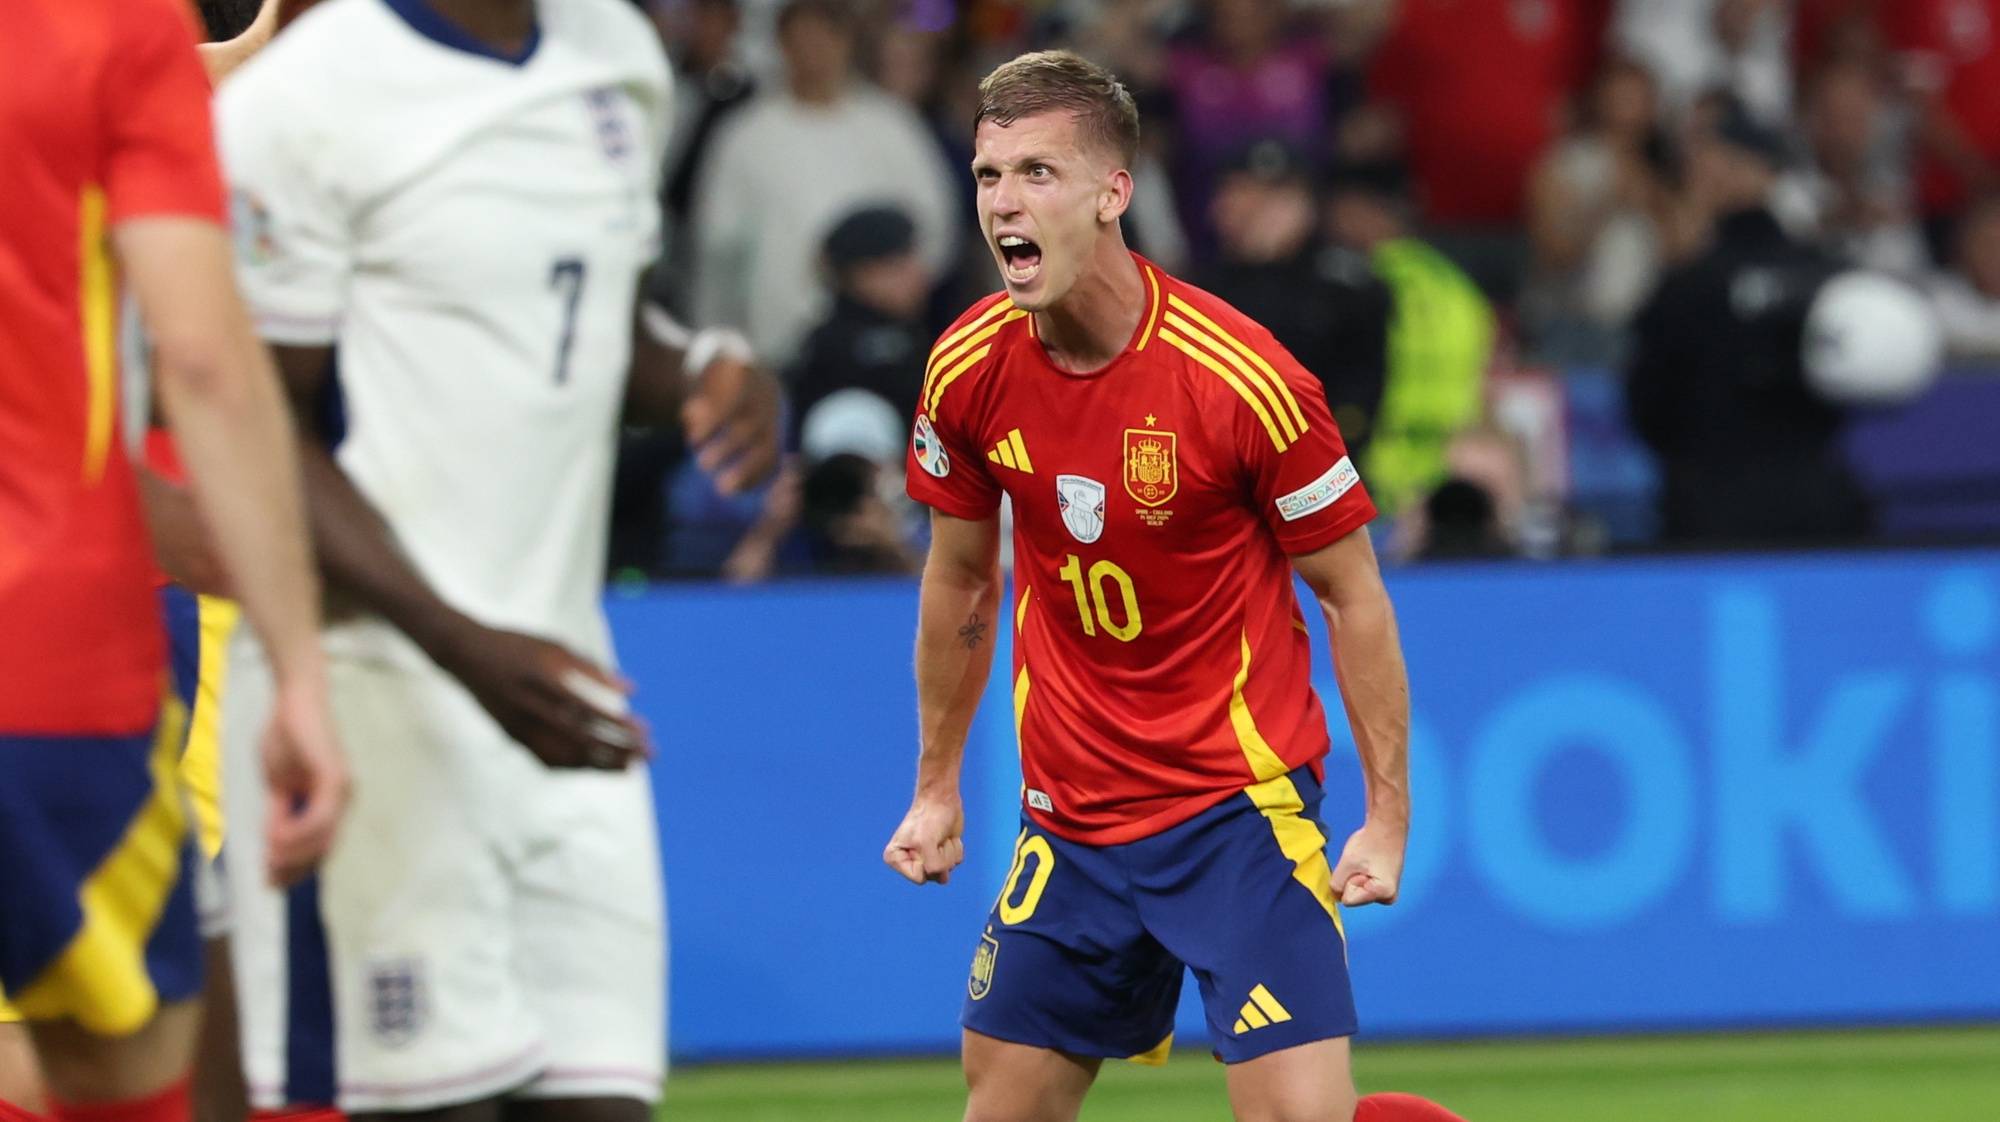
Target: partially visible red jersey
point(1481, 86)
point(104, 118)
point(1161, 661)
point(1952, 50)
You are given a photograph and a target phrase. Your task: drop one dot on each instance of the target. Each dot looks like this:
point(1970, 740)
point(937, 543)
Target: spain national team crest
point(1081, 500)
point(983, 961)
point(1151, 473)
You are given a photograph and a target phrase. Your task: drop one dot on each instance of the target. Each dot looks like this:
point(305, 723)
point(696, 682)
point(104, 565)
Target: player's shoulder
point(331, 42)
point(1240, 364)
point(611, 30)
point(973, 346)
point(1191, 312)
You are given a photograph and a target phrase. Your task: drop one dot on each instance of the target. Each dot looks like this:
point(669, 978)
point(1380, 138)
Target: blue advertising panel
point(1650, 794)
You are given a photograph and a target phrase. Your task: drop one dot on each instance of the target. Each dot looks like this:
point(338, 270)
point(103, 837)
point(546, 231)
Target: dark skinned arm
point(728, 410)
point(519, 679)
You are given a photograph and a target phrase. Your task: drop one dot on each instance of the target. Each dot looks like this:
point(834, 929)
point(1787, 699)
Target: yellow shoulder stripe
point(1152, 309)
point(1250, 377)
point(965, 338)
point(1292, 403)
point(1245, 392)
point(945, 379)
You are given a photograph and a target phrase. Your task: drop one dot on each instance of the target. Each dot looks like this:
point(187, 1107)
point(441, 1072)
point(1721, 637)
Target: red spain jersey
point(103, 118)
point(1161, 660)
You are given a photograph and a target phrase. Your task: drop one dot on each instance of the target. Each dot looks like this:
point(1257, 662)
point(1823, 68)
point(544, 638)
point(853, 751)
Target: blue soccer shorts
point(1085, 949)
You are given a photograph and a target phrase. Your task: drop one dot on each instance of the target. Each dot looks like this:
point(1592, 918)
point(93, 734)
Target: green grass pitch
point(1930, 1075)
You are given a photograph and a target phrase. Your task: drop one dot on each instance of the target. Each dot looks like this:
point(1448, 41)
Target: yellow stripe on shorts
point(201, 762)
point(100, 979)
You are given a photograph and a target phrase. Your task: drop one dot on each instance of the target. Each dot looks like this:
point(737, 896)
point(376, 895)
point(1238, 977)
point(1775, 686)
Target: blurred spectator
point(1480, 86)
point(1825, 32)
point(849, 526)
point(1440, 338)
point(844, 511)
point(1951, 55)
point(1716, 386)
point(874, 337)
point(1739, 47)
point(1853, 196)
point(1243, 76)
point(1461, 524)
point(1968, 297)
point(710, 83)
point(1482, 509)
point(1323, 302)
point(1594, 212)
point(788, 166)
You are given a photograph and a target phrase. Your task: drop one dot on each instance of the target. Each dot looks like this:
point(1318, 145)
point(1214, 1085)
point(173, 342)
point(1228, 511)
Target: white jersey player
point(460, 196)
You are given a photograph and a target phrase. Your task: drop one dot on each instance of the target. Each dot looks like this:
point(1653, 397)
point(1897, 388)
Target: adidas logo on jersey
point(1013, 453)
point(1262, 1009)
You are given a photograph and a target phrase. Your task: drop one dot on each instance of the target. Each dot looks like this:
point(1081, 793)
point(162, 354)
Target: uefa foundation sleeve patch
point(1320, 493)
point(930, 452)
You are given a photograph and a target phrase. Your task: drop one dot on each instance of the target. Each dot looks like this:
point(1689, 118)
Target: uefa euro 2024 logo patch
point(1081, 500)
point(930, 453)
point(250, 222)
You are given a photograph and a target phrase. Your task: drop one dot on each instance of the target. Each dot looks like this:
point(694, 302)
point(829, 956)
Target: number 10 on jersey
point(1094, 605)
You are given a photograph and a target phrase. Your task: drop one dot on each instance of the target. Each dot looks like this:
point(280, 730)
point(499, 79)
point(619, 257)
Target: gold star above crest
point(1151, 420)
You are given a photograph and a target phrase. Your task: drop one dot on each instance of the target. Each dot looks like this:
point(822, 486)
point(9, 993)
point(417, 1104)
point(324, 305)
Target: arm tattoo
point(974, 632)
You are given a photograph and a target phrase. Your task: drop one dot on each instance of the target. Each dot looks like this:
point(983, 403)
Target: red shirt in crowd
point(1481, 85)
point(104, 117)
point(1953, 48)
point(1161, 662)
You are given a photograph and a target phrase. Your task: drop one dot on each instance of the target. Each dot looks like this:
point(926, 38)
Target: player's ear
point(1115, 197)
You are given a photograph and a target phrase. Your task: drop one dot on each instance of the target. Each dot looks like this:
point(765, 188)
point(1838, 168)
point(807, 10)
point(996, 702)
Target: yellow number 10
point(1072, 571)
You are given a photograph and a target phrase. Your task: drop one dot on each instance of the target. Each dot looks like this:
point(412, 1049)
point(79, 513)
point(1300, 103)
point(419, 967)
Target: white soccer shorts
point(490, 926)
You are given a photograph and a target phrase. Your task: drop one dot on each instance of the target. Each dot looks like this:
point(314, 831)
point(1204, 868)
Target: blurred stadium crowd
point(1436, 204)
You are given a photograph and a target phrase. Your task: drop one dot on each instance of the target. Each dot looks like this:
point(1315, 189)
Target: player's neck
point(504, 25)
point(1094, 321)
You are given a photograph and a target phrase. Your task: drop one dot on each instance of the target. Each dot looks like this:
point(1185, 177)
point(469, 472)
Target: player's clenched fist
point(1371, 864)
point(930, 843)
point(307, 777)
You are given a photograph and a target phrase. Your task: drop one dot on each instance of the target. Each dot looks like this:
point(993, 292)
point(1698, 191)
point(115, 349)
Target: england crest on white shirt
point(1082, 501)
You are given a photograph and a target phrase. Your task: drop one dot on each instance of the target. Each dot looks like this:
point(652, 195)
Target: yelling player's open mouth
point(1023, 258)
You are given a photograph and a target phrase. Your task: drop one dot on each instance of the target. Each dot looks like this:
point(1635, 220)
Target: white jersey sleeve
point(293, 248)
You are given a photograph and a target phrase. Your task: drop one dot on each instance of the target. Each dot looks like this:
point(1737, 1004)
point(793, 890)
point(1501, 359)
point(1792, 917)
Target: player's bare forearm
point(957, 618)
point(705, 383)
point(656, 390)
point(357, 552)
point(957, 613)
point(1368, 664)
point(221, 398)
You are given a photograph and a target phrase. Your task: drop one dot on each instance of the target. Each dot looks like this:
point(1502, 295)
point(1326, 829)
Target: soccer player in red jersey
point(104, 132)
point(1170, 467)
